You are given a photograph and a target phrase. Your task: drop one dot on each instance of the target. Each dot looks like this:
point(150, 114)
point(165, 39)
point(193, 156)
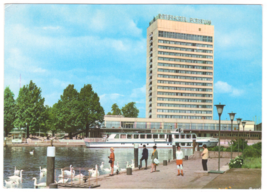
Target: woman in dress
point(153, 157)
point(112, 160)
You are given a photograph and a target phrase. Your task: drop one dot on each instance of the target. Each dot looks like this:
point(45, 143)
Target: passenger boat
point(161, 140)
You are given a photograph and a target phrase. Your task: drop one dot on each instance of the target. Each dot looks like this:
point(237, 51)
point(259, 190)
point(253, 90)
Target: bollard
point(194, 146)
point(164, 162)
point(51, 153)
point(174, 150)
point(129, 171)
point(186, 157)
point(136, 155)
point(53, 186)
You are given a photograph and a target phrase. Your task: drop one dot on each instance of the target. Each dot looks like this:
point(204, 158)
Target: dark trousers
point(142, 160)
point(204, 164)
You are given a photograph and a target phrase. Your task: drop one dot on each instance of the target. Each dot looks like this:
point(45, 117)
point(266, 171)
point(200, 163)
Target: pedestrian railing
point(94, 140)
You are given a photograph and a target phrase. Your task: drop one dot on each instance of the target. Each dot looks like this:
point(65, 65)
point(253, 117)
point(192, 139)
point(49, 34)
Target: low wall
point(215, 154)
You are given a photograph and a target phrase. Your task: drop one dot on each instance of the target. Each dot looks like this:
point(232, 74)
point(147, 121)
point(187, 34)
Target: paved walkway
point(166, 178)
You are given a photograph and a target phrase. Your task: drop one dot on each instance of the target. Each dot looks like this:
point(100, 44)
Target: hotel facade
point(180, 60)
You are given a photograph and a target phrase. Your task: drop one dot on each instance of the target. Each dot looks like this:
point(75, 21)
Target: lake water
point(66, 156)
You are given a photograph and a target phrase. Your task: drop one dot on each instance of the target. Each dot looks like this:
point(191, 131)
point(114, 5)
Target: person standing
point(179, 161)
point(205, 155)
point(153, 157)
point(144, 156)
point(111, 160)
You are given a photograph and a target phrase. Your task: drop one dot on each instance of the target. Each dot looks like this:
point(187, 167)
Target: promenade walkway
point(164, 179)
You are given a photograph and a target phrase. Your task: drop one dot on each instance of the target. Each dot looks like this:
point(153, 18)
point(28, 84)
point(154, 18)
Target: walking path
point(166, 177)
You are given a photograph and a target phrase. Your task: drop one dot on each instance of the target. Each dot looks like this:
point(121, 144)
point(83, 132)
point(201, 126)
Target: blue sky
point(105, 45)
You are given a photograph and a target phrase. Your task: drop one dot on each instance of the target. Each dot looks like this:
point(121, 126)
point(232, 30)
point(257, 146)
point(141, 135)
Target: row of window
point(184, 55)
point(185, 36)
point(184, 66)
point(185, 77)
point(184, 94)
point(184, 89)
point(184, 83)
point(184, 106)
point(184, 60)
point(182, 111)
point(182, 117)
point(184, 100)
point(184, 72)
point(187, 44)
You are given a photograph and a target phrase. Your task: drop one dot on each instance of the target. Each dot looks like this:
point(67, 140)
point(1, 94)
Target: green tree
point(130, 110)
point(30, 108)
point(54, 115)
point(9, 110)
point(69, 113)
point(91, 111)
point(115, 110)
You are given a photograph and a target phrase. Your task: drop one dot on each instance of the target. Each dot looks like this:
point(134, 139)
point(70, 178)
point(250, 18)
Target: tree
point(30, 108)
point(54, 122)
point(9, 110)
point(91, 111)
point(69, 113)
point(130, 110)
point(115, 110)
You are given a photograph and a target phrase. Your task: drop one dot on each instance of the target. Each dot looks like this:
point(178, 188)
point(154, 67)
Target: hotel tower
point(180, 61)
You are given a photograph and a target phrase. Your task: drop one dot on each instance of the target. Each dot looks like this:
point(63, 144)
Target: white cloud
point(62, 84)
point(139, 92)
point(224, 87)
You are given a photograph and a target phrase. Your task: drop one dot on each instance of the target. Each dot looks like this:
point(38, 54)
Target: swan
point(96, 172)
point(102, 166)
point(132, 165)
point(116, 166)
point(127, 165)
point(44, 170)
point(62, 181)
point(16, 172)
point(42, 174)
point(9, 183)
point(15, 177)
point(31, 152)
point(77, 177)
point(39, 184)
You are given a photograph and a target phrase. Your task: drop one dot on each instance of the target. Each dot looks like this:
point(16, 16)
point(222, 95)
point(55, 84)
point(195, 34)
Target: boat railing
point(94, 140)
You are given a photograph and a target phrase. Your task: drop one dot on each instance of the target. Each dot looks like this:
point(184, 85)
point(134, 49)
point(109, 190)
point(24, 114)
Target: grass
point(252, 162)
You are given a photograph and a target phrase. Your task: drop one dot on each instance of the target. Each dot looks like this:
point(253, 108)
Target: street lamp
point(232, 116)
point(219, 110)
point(243, 123)
point(238, 122)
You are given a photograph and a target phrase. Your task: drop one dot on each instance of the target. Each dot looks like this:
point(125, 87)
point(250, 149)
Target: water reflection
point(66, 156)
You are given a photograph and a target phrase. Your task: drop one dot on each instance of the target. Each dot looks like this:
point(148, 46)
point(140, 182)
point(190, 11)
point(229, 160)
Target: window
point(155, 136)
point(136, 136)
point(182, 136)
point(117, 136)
point(188, 144)
point(142, 136)
point(129, 136)
point(123, 136)
point(199, 29)
point(176, 136)
point(182, 144)
point(162, 136)
point(188, 136)
point(148, 136)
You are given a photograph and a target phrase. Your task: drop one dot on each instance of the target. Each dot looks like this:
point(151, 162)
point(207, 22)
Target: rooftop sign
point(179, 18)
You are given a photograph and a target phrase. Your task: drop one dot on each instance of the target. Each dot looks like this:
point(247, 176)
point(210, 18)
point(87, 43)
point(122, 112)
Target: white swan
point(15, 177)
point(132, 165)
point(31, 152)
point(62, 181)
point(127, 165)
point(78, 177)
point(116, 166)
point(39, 184)
point(70, 172)
point(16, 172)
point(9, 183)
point(96, 172)
point(44, 170)
point(102, 166)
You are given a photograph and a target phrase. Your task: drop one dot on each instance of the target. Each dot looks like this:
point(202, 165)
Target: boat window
point(162, 136)
point(142, 136)
point(117, 136)
point(194, 136)
point(182, 144)
point(123, 136)
point(136, 136)
point(129, 136)
point(188, 144)
point(182, 136)
point(148, 136)
point(177, 136)
point(188, 136)
point(155, 136)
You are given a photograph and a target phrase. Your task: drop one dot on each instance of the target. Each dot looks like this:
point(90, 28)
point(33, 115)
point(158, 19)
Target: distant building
point(180, 60)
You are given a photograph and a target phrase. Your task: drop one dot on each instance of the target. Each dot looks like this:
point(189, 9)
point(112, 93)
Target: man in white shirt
point(179, 160)
point(205, 155)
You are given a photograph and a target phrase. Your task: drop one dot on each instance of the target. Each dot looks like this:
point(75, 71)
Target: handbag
point(110, 161)
point(156, 161)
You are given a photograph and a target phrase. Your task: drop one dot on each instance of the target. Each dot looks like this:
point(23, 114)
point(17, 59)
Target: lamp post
point(232, 116)
point(219, 110)
point(243, 123)
point(238, 122)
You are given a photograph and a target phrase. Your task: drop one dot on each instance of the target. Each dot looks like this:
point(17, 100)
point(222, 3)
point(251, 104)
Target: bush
point(252, 163)
point(252, 151)
point(216, 148)
point(236, 163)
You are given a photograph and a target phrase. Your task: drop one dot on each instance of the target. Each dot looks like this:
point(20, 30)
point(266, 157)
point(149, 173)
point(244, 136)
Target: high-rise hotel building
point(180, 61)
